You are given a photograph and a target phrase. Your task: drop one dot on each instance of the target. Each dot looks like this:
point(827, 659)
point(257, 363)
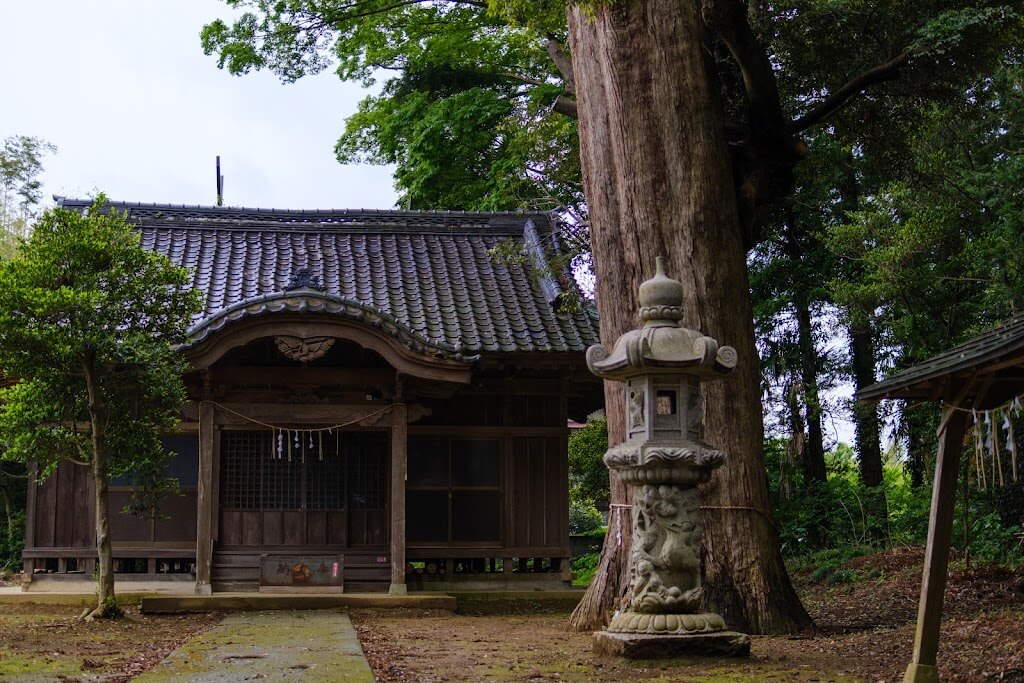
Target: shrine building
point(376, 402)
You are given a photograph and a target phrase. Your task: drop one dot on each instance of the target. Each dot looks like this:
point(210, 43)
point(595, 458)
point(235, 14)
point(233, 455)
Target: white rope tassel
point(1011, 442)
point(618, 525)
point(979, 455)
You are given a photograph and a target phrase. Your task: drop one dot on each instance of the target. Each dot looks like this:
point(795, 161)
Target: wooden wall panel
point(84, 503)
point(126, 527)
point(62, 507)
point(337, 528)
point(231, 527)
point(539, 493)
point(554, 502)
point(377, 527)
point(293, 527)
point(272, 531)
point(357, 528)
point(177, 520)
point(536, 493)
point(252, 527)
point(45, 511)
point(64, 513)
point(316, 527)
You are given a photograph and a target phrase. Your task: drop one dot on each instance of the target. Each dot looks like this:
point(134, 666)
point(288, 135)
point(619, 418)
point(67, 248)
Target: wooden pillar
point(399, 447)
point(205, 516)
point(28, 566)
point(922, 668)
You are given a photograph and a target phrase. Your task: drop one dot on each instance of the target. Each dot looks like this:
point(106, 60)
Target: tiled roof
point(425, 276)
point(1000, 348)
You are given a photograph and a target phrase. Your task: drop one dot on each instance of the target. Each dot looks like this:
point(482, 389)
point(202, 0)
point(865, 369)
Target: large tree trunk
point(106, 605)
point(658, 182)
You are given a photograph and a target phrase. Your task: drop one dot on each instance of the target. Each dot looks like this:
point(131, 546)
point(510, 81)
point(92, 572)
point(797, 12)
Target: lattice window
point(282, 482)
point(325, 480)
point(241, 460)
point(254, 476)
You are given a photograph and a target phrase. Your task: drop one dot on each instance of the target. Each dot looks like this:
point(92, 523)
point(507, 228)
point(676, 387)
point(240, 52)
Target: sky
point(137, 111)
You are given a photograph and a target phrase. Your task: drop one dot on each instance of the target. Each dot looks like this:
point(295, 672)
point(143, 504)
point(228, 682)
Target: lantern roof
point(662, 345)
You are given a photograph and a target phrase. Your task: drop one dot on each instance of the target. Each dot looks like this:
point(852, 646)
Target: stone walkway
point(306, 646)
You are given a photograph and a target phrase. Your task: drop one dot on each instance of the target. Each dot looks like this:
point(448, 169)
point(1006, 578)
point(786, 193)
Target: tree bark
point(869, 448)
point(106, 604)
point(814, 453)
point(919, 421)
point(657, 181)
point(7, 508)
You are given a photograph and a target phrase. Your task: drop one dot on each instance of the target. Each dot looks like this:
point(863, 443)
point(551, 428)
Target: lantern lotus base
point(647, 646)
point(665, 624)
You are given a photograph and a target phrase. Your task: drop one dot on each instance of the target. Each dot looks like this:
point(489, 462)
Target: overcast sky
point(137, 111)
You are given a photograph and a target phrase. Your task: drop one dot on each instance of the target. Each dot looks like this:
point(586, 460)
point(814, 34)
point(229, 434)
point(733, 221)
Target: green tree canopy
point(21, 163)
point(89, 322)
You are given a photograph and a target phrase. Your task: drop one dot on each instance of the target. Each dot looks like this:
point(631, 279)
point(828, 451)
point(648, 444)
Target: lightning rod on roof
point(220, 184)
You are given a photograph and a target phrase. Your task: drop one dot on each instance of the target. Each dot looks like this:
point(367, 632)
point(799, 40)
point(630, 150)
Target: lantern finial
point(661, 299)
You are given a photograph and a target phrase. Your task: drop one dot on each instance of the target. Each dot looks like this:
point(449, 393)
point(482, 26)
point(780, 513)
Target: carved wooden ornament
point(304, 350)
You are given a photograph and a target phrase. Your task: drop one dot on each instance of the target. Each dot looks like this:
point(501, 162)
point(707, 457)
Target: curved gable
point(307, 313)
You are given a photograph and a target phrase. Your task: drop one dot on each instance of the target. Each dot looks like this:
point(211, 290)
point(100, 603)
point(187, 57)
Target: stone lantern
point(662, 461)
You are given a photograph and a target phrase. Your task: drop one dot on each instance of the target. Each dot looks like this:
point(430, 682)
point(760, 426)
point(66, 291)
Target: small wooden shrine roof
point(427, 278)
point(983, 372)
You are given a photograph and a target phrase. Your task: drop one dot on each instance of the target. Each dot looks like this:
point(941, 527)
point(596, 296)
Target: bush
point(588, 476)
point(584, 567)
point(583, 518)
point(849, 519)
point(12, 544)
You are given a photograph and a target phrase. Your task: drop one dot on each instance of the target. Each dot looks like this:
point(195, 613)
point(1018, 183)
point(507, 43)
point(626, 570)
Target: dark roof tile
point(430, 272)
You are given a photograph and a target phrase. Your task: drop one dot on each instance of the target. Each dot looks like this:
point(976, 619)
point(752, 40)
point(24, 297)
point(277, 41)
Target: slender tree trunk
point(814, 453)
point(920, 422)
point(7, 508)
point(869, 448)
point(813, 462)
point(797, 441)
point(106, 602)
point(867, 433)
point(658, 182)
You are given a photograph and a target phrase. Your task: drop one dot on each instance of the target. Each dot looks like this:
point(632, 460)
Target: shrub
point(583, 518)
point(584, 567)
point(11, 544)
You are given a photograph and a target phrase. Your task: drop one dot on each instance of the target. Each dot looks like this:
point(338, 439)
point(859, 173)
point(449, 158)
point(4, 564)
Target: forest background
point(899, 233)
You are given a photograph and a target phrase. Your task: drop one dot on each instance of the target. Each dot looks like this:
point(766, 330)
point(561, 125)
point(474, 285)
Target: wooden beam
point(485, 432)
point(399, 444)
point(205, 511)
point(309, 376)
point(374, 414)
point(922, 668)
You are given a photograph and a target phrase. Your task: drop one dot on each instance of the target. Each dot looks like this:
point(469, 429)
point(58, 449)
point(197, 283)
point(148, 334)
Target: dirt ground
point(865, 634)
point(49, 641)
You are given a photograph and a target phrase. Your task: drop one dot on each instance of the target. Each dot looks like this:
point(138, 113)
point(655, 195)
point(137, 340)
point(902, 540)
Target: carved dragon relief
point(666, 560)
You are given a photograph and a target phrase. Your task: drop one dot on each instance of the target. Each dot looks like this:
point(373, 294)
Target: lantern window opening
point(666, 402)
